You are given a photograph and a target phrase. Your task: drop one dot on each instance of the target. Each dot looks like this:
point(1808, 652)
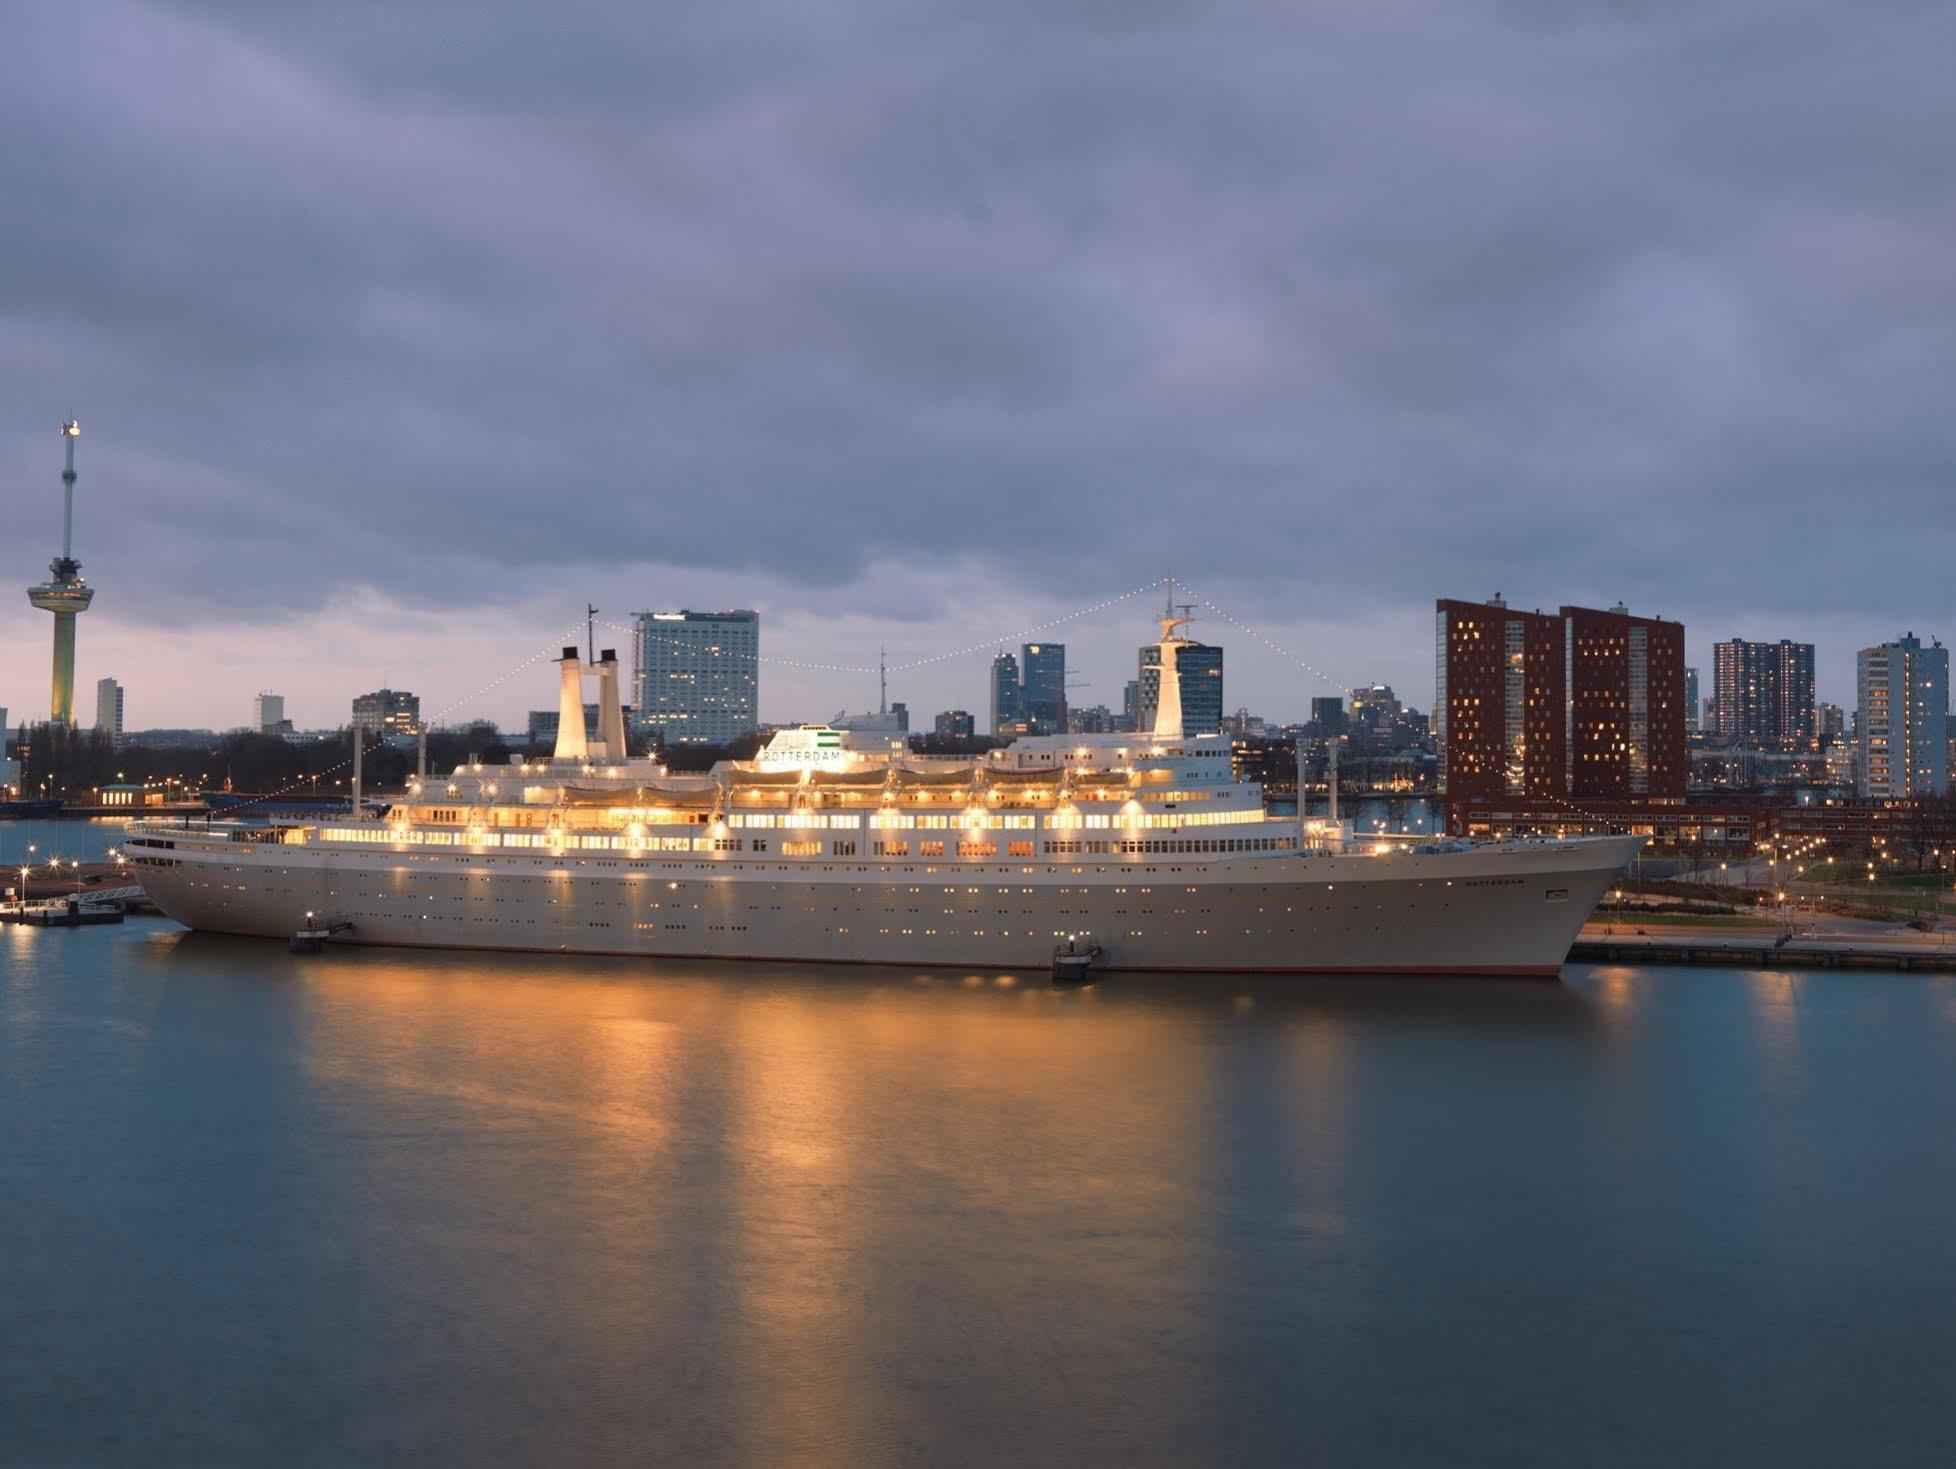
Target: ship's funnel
point(611, 706)
point(570, 708)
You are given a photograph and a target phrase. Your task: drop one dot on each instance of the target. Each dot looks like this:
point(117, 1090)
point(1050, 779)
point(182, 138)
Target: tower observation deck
point(64, 594)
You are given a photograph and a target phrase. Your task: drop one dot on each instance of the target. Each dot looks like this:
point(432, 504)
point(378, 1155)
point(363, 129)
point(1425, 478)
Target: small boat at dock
point(1073, 960)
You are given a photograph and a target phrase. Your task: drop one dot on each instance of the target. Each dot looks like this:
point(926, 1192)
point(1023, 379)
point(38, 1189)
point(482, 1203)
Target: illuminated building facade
point(1624, 735)
point(1762, 694)
point(1903, 693)
point(388, 712)
point(697, 675)
point(1042, 686)
point(1373, 708)
point(1199, 670)
point(1575, 705)
point(1499, 702)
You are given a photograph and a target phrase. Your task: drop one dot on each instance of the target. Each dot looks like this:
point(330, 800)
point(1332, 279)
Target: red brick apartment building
point(1499, 710)
point(1626, 705)
point(1558, 708)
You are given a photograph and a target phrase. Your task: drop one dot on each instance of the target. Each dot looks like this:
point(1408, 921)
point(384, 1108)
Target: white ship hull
point(1507, 910)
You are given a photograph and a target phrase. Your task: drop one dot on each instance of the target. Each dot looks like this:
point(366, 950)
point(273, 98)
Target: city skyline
point(891, 363)
point(896, 732)
point(432, 651)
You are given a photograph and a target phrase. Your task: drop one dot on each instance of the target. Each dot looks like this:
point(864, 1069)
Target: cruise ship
point(1143, 850)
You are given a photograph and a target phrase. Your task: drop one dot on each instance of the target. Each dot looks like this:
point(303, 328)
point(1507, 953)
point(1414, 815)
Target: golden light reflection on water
point(1614, 988)
point(1775, 997)
point(1322, 1122)
point(875, 1142)
point(563, 1050)
point(763, 1214)
point(489, 1210)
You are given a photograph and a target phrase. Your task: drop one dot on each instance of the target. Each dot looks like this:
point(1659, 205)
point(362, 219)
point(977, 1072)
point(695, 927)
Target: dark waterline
point(391, 1207)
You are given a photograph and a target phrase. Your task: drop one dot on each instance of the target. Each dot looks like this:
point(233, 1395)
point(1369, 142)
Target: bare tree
point(1925, 829)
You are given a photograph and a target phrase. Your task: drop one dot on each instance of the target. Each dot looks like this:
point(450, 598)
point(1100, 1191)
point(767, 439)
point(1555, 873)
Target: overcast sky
point(398, 330)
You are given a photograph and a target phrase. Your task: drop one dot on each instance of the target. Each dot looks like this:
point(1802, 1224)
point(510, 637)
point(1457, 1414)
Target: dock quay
point(88, 881)
point(1923, 952)
point(85, 811)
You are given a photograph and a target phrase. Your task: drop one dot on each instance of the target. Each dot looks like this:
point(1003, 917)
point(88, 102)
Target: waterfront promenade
point(1825, 942)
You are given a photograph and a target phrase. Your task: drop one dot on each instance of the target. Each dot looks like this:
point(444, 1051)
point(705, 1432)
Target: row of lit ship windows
point(885, 819)
point(794, 847)
point(413, 836)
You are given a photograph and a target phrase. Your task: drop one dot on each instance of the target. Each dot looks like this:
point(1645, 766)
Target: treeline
point(60, 761)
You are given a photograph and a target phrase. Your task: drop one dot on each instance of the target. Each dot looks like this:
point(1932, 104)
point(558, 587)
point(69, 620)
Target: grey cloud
point(1420, 296)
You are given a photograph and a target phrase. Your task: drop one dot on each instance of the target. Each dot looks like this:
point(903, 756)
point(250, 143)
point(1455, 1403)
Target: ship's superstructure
point(835, 845)
point(64, 594)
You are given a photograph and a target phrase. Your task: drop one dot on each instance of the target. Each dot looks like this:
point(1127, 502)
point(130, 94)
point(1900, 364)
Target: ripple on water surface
point(381, 1204)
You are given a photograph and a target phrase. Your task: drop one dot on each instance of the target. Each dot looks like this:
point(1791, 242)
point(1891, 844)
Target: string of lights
point(542, 655)
point(1271, 643)
point(1023, 634)
point(948, 655)
point(548, 654)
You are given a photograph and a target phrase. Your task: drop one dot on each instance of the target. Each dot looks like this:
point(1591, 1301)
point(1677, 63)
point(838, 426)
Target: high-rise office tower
point(267, 712)
point(1042, 686)
point(697, 675)
point(108, 708)
point(1005, 693)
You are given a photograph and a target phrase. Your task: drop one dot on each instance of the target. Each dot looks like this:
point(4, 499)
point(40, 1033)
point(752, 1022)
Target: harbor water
point(35, 843)
point(394, 1207)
